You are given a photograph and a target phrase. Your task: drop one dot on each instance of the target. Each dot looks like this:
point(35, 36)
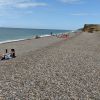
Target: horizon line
point(33, 28)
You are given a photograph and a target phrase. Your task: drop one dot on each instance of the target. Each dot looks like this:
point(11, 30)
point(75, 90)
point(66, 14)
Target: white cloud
point(9, 2)
point(21, 3)
point(26, 5)
point(71, 1)
point(79, 14)
point(85, 14)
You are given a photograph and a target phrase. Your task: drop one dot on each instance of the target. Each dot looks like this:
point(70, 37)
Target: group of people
point(8, 55)
point(63, 36)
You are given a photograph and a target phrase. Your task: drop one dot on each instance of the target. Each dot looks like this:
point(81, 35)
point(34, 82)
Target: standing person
point(51, 33)
point(13, 53)
point(6, 50)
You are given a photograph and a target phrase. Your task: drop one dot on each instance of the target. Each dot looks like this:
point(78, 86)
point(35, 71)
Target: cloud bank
point(27, 5)
point(85, 14)
point(21, 3)
point(71, 1)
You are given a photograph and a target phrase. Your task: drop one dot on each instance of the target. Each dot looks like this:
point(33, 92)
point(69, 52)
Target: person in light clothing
point(7, 55)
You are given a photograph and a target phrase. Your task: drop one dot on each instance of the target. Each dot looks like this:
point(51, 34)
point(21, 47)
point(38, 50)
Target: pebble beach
point(52, 68)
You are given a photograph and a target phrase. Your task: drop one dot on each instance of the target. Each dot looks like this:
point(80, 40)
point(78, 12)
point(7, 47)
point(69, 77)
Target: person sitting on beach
point(7, 55)
point(13, 53)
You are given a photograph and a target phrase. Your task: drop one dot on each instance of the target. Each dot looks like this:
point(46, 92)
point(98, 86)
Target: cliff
point(91, 27)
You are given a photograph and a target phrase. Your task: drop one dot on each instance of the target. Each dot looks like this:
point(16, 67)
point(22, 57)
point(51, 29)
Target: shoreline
point(23, 46)
point(23, 39)
point(26, 45)
point(10, 41)
point(17, 40)
point(29, 37)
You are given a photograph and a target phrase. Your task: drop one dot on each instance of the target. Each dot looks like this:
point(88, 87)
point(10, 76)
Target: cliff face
point(91, 27)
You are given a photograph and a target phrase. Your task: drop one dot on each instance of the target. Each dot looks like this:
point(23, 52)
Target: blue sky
point(49, 14)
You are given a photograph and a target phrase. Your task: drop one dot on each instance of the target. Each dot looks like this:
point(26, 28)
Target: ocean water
point(17, 34)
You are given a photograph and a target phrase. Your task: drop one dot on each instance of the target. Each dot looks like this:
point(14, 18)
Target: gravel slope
point(67, 70)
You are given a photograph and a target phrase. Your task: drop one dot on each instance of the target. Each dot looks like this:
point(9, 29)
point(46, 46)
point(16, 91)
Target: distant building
point(91, 27)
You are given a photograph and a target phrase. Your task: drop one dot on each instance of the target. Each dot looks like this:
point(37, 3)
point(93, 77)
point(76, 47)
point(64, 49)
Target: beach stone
point(66, 70)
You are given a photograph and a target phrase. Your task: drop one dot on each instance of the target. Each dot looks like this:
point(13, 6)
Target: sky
point(49, 14)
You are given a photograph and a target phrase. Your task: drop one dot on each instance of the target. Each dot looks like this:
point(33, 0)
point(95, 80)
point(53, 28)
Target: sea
point(18, 34)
